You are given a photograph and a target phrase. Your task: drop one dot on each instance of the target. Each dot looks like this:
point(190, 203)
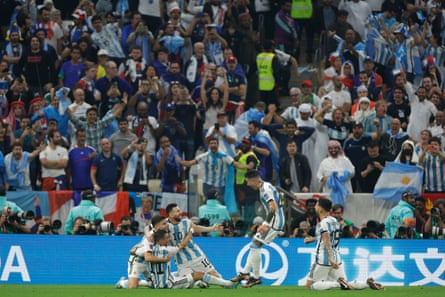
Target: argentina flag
point(397, 178)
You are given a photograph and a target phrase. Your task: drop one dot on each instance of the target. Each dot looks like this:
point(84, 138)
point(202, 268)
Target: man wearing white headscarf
point(335, 164)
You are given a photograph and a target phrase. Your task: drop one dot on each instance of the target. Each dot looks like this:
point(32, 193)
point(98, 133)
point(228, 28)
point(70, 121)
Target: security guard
point(268, 73)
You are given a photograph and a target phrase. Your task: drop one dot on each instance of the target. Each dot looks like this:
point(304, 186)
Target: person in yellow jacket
point(245, 196)
point(268, 73)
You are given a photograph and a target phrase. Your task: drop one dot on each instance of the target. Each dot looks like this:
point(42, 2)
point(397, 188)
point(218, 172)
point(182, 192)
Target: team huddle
point(171, 237)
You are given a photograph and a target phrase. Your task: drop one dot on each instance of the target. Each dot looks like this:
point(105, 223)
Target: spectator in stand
point(173, 76)
point(370, 168)
point(13, 49)
point(269, 69)
point(399, 109)
point(260, 146)
point(146, 126)
point(137, 171)
point(80, 159)
point(93, 126)
point(355, 147)
point(167, 164)
point(215, 165)
point(336, 165)
point(88, 84)
point(285, 29)
point(292, 133)
point(295, 172)
point(171, 127)
point(112, 79)
point(150, 91)
point(358, 13)
point(38, 67)
point(186, 113)
point(408, 154)
point(105, 37)
point(122, 138)
point(338, 128)
point(381, 115)
point(107, 170)
point(433, 162)
point(133, 69)
point(160, 62)
point(346, 225)
point(308, 216)
point(436, 222)
point(144, 214)
point(54, 160)
point(87, 210)
point(339, 28)
point(340, 97)
point(404, 209)
point(421, 216)
point(423, 109)
point(17, 165)
point(225, 133)
point(308, 96)
point(392, 140)
point(195, 65)
point(72, 70)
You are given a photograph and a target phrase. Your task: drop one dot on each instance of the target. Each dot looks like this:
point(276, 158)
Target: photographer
point(372, 230)
point(435, 225)
point(12, 216)
point(407, 230)
point(87, 209)
point(126, 227)
point(404, 209)
point(46, 227)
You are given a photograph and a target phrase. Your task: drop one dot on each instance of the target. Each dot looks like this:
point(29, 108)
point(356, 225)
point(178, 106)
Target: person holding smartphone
point(433, 162)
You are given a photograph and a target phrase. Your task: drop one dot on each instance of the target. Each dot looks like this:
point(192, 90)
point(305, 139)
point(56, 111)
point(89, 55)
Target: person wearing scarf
point(138, 161)
point(17, 167)
point(335, 173)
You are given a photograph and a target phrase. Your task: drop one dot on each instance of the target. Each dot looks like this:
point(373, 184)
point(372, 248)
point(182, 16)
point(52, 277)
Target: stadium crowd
point(111, 94)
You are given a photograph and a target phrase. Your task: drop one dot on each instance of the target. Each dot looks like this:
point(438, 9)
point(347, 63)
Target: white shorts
point(136, 267)
point(323, 273)
point(200, 264)
point(180, 282)
point(268, 236)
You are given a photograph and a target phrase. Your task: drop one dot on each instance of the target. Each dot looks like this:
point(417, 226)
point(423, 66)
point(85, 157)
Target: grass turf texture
point(257, 291)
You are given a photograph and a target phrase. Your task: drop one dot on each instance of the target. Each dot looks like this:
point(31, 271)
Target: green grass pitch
point(258, 291)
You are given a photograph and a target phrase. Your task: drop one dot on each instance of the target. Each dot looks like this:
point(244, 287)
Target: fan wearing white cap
point(364, 110)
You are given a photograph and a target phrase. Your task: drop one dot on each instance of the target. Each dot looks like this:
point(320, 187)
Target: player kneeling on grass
point(141, 256)
point(327, 271)
point(162, 276)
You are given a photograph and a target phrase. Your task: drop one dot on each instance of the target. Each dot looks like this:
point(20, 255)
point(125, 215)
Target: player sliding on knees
point(327, 272)
point(162, 276)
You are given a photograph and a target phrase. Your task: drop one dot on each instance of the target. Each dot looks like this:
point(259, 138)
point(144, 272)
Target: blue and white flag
point(397, 178)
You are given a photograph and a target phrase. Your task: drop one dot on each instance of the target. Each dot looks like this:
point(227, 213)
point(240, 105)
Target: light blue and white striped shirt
point(434, 173)
point(328, 224)
point(268, 193)
point(215, 167)
point(161, 272)
point(177, 233)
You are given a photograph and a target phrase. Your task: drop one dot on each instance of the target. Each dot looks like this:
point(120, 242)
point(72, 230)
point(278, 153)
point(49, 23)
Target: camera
point(216, 126)
point(437, 231)
point(373, 227)
point(97, 227)
point(56, 225)
point(134, 227)
point(435, 211)
point(19, 217)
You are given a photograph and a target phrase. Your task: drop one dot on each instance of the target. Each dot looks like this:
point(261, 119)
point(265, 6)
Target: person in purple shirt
point(285, 33)
point(71, 71)
point(80, 159)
